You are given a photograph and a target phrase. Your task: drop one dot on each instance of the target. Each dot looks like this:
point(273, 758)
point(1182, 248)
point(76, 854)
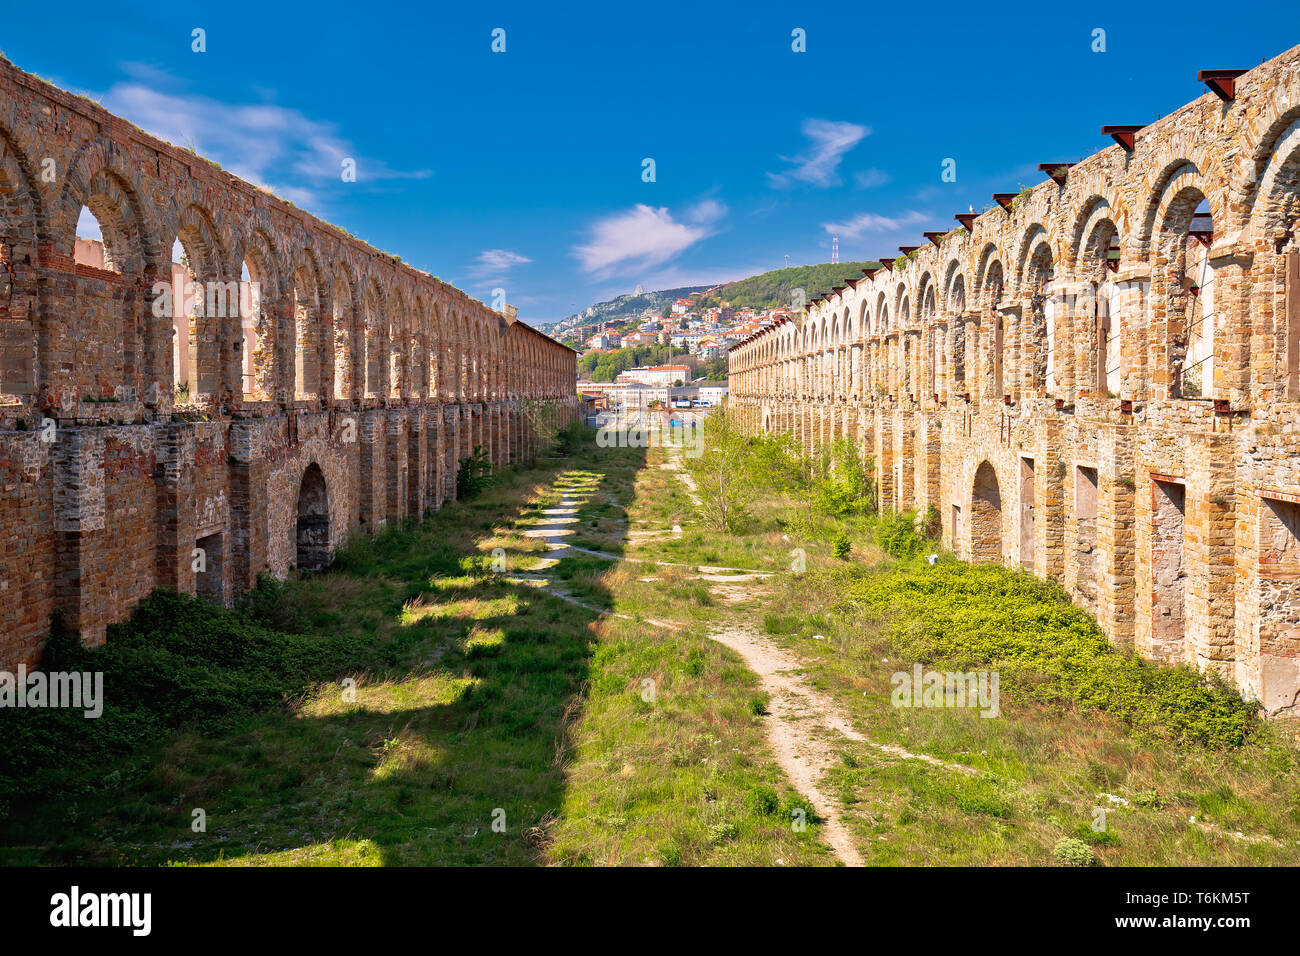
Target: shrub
point(1074, 852)
point(841, 546)
point(985, 616)
point(473, 475)
point(895, 533)
point(762, 801)
point(846, 486)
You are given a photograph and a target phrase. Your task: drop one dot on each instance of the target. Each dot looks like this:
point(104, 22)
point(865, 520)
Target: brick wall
point(333, 364)
point(1113, 357)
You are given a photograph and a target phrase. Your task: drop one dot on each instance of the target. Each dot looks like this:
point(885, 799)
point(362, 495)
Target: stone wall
point(195, 433)
point(1097, 379)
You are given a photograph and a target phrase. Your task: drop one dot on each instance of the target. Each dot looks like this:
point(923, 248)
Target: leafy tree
point(725, 472)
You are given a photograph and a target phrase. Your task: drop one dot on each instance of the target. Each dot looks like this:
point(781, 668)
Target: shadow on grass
point(451, 749)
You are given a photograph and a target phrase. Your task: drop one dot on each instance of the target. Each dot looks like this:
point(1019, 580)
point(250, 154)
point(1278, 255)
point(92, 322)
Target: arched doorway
point(986, 516)
point(313, 536)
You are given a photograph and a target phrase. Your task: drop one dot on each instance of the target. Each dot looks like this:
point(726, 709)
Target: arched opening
point(257, 350)
point(1041, 346)
point(306, 312)
point(1197, 374)
point(371, 329)
point(993, 296)
point(341, 303)
point(956, 309)
point(19, 235)
point(986, 515)
point(1100, 260)
point(313, 530)
point(92, 248)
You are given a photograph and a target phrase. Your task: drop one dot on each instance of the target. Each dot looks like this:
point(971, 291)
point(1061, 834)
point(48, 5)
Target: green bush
point(762, 801)
point(841, 546)
point(846, 485)
point(895, 533)
point(1074, 852)
point(474, 474)
point(957, 616)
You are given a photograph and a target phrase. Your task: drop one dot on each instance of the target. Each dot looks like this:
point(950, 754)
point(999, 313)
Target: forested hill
point(775, 289)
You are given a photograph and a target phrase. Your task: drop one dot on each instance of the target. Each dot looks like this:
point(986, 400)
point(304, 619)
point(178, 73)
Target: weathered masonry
point(300, 384)
point(1097, 379)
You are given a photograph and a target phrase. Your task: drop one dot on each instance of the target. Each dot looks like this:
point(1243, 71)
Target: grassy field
point(422, 703)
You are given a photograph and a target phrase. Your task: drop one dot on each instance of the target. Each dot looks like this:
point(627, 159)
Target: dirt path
point(803, 725)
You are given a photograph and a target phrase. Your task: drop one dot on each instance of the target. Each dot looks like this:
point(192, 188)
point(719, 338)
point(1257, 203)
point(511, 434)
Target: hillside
point(627, 306)
point(776, 288)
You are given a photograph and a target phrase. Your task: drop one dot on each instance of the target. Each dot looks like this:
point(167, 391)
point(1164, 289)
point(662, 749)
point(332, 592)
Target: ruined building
point(191, 420)
point(1097, 378)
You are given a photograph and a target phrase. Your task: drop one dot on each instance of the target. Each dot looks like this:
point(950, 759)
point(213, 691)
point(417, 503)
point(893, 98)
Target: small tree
point(724, 472)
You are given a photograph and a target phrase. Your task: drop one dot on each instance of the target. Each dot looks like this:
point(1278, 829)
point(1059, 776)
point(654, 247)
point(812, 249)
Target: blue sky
point(523, 169)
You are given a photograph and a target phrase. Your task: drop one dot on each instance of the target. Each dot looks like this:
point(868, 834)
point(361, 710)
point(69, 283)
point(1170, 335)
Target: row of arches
point(224, 299)
point(1162, 274)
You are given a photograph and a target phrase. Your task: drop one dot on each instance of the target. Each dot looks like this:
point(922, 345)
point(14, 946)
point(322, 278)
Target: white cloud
point(644, 237)
point(816, 166)
point(495, 262)
point(271, 146)
point(869, 222)
point(871, 178)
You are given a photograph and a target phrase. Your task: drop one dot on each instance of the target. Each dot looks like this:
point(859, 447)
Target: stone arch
point(260, 275)
point(199, 313)
point(312, 530)
point(108, 330)
point(344, 324)
point(1040, 329)
point(23, 334)
point(372, 325)
point(1098, 258)
point(986, 515)
point(1182, 286)
point(308, 308)
point(399, 336)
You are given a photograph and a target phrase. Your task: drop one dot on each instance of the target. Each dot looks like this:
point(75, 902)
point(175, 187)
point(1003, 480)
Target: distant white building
point(712, 392)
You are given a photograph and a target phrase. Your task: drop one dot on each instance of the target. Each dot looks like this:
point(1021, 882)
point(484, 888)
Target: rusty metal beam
point(967, 219)
point(1056, 172)
point(1004, 199)
point(1123, 135)
point(1222, 83)
point(935, 237)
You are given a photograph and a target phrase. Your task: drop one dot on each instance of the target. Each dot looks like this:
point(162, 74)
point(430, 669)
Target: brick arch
point(1174, 177)
point(24, 330)
point(986, 514)
point(989, 255)
point(307, 325)
point(1277, 113)
point(1274, 211)
point(261, 353)
point(397, 337)
point(344, 311)
point(374, 318)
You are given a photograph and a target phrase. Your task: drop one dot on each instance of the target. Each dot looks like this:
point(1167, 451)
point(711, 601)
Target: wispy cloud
point(644, 237)
point(817, 165)
point(871, 178)
point(492, 263)
point(868, 222)
point(271, 146)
